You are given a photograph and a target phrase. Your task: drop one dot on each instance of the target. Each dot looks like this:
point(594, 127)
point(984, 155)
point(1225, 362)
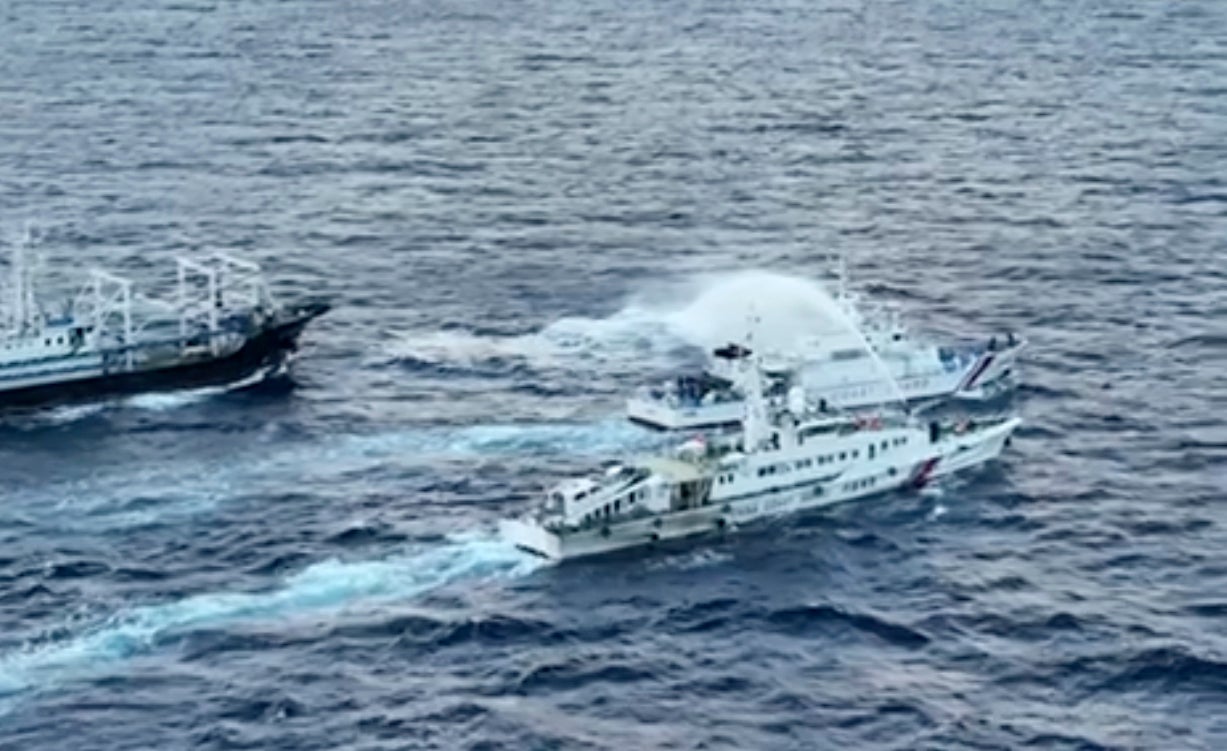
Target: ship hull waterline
point(263, 352)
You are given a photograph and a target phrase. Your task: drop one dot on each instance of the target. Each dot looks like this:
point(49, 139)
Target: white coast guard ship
point(868, 358)
point(786, 457)
point(220, 326)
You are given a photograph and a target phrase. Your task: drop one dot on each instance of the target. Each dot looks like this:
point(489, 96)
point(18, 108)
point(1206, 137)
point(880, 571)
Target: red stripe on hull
point(982, 366)
point(921, 477)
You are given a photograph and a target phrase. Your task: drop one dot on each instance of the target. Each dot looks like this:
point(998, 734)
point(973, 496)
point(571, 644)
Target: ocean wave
point(575, 674)
point(807, 619)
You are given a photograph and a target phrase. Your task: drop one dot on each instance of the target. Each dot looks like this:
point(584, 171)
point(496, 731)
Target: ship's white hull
point(848, 387)
point(851, 484)
point(664, 415)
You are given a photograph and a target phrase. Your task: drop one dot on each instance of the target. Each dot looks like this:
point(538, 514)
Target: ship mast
point(21, 305)
point(754, 421)
point(16, 272)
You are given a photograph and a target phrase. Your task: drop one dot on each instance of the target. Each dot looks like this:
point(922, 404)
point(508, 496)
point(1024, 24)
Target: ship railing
point(109, 297)
point(218, 289)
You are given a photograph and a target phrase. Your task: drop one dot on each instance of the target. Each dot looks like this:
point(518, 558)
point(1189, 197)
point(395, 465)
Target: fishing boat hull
point(264, 351)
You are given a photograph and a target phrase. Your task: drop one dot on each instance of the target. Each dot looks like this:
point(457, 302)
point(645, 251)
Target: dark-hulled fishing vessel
point(220, 326)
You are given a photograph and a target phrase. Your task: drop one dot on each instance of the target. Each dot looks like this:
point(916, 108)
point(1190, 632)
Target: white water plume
point(701, 313)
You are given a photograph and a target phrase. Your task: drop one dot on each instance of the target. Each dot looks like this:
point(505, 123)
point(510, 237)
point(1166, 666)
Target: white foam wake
point(162, 401)
point(524, 439)
point(327, 586)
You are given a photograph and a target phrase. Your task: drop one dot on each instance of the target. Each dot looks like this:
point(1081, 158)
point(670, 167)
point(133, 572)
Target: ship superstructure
point(787, 456)
point(866, 356)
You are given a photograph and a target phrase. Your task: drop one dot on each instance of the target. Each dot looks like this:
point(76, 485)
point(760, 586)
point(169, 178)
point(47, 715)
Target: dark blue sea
point(524, 210)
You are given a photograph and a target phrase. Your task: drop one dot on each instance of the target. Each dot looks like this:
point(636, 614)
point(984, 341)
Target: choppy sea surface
point(523, 211)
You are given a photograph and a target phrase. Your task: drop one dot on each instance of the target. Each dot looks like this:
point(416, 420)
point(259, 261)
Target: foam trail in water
point(607, 436)
point(327, 586)
point(162, 401)
point(466, 349)
point(704, 313)
point(70, 413)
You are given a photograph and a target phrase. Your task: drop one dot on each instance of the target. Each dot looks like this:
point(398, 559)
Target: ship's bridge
point(571, 491)
point(582, 500)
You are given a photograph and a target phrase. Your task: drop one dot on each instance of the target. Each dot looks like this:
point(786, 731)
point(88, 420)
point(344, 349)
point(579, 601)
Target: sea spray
point(699, 313)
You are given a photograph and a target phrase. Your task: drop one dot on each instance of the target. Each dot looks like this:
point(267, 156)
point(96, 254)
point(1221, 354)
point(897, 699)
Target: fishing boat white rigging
point(220, 326)
point(785, 458)
point(866, 357)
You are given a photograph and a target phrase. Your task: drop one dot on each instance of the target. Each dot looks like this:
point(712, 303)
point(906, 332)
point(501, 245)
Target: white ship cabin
point(704, 471)
point(55, 339)
point(622, 490)
point(27, 334)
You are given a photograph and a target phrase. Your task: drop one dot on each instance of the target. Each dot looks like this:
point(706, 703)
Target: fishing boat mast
point(22, 313)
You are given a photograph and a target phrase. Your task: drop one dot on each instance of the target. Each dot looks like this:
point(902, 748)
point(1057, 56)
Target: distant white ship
point(869, 358)
point(786, 457)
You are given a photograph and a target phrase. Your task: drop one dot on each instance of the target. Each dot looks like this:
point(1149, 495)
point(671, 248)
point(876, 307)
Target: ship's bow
point(289, 323)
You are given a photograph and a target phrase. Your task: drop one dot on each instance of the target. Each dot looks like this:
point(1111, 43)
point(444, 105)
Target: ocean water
point(523, 211)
